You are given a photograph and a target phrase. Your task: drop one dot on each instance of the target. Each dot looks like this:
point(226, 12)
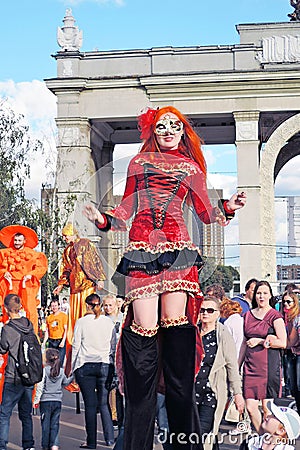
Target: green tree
point(16, 149)
point(213, 273)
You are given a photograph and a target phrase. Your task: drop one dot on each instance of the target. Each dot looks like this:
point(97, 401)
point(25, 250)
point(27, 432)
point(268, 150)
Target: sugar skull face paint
point(168, 125)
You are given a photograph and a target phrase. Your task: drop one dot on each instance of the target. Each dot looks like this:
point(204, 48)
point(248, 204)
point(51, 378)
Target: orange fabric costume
point(19, 263)
point(81, 269)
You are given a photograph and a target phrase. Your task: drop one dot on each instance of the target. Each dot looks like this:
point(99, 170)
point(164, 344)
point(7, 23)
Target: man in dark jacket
point(14, 392)
point(245, 300)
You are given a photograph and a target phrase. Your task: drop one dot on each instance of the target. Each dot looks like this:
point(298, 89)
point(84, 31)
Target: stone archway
point(269, 155)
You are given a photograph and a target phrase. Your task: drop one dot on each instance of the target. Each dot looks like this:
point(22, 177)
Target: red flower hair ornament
point(145, 122)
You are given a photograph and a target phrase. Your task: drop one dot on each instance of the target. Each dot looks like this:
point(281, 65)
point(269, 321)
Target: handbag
point(231, 413)
point(241, 419)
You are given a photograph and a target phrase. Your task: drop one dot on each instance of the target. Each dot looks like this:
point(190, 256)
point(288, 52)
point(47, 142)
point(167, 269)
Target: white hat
point(288, 417)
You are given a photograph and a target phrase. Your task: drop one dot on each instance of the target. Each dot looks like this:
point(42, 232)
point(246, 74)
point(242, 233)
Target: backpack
point(29, 362)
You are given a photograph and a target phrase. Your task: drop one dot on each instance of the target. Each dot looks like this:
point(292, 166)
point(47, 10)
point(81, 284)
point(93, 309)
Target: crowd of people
point(159, 351)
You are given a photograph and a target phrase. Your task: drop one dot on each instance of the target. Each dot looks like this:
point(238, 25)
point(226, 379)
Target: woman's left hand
point(239, 403)
point(253, 342)
point(237, 201)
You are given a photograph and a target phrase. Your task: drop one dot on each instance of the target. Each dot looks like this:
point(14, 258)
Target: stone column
point(247, 145)
point(103, 158)
point(75, 176)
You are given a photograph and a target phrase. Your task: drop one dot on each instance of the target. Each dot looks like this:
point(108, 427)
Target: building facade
point(247, 94)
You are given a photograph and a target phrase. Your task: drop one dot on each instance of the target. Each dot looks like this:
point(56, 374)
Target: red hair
point(229, 307)
point(190, 145)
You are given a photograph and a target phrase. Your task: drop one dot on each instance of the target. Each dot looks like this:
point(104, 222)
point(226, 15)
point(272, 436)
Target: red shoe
point(73, 387)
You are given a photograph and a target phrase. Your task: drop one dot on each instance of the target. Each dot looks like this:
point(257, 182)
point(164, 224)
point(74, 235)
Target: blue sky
point(28, 39)
point(28, 28)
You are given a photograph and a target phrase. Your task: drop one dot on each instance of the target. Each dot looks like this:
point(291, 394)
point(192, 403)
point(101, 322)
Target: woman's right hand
point(93, 214)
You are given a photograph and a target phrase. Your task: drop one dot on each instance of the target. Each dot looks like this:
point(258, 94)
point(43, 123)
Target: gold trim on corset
point(161, 247)
point(184, 166)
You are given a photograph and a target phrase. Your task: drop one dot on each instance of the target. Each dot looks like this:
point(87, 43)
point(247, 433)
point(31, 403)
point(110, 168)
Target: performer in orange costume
point(21, 269)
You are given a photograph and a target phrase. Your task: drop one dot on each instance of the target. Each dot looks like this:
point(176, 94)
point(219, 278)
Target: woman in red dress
point(264, 336)
point(158, 274)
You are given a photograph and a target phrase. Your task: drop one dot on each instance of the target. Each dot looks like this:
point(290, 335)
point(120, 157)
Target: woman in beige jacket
point(218, 372)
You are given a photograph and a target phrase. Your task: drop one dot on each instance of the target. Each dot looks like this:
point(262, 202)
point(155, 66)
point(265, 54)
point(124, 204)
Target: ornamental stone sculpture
point(69, 38)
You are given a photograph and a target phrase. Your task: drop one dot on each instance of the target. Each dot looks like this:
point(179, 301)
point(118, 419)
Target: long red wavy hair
point(190, 144)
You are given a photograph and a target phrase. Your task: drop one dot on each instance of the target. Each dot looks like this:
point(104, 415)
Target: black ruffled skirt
point(152, 264)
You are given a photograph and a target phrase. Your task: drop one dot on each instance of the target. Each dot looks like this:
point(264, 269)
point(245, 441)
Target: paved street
point(72, 432)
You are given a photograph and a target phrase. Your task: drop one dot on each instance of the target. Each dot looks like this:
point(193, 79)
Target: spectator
point(230, 311)
point(245, 300)
point(49, 396)
point(292, 287)
point(218, 368)
point(56, 331)
point(279, 428)
point(291, 368)
point(215, 290)
point(116, 399)
point(294, 345)
point(264, 336)
point(111, 310)
point(65, 305)
point(14, 392)
point(93, 351)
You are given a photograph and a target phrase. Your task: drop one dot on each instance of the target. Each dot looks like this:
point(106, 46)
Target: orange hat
point(7, 235)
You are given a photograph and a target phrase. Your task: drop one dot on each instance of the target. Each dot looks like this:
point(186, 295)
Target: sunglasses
point(208, 310)
point(93, 305)
point(288, 301)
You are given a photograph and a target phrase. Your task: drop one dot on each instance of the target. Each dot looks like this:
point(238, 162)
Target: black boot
point(140, 360)
point(178, 355)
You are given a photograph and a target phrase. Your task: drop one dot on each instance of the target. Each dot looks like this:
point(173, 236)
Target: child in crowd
point(280, 429)
point(49, 397)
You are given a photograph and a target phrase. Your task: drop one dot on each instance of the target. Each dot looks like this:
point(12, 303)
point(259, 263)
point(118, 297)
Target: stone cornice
point(189, 79)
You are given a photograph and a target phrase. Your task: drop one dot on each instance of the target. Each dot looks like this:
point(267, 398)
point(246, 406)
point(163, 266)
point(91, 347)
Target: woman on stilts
point(158, 275)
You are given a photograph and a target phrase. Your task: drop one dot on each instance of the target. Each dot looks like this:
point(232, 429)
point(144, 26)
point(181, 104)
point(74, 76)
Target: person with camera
point(56, 331)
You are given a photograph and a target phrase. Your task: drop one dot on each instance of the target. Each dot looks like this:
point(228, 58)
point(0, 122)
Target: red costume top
point(160, 255)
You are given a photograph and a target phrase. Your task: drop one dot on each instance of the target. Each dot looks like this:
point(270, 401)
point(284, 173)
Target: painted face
point(168, 130)
point(168, 125)
point(19, 241)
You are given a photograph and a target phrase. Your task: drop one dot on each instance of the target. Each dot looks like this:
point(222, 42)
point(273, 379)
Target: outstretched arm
point(93, 214)
point(237, 201)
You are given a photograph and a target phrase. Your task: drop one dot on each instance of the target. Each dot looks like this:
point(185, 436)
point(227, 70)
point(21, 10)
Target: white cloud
point(38, 106)
point(209, 156)
point(287, 181)
point(220, 181)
